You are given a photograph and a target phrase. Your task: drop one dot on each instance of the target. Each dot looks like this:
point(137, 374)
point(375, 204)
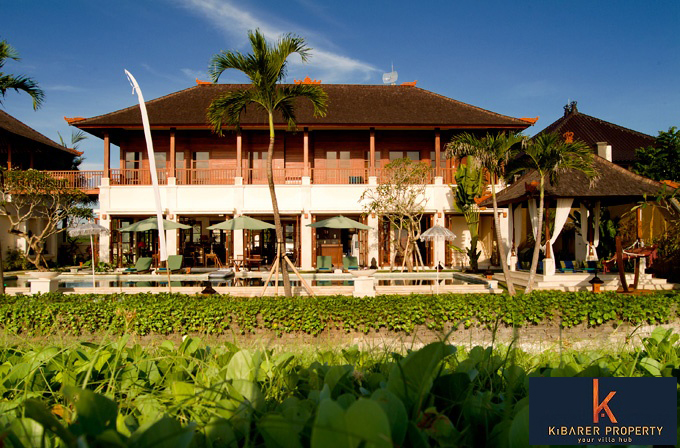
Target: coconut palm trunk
point(280, 237)
point(537, 245)
point(501, 249)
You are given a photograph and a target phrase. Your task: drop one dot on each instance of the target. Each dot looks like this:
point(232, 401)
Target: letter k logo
point(604, 406)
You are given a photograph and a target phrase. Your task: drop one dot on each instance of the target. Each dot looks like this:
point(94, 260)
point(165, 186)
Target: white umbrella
point(88, 229)
point(436, 233)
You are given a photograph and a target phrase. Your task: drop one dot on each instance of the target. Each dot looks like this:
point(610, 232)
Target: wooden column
point(437, 152)
point(31, 161)
point(305, 152)
point(239, 154)
point(9, 156)
point(172, 153)
point(372, 153)
point(107, 155)
point(547, 233)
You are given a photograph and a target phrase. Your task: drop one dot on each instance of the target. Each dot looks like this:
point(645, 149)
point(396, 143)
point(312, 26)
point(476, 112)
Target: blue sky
point(618, 59)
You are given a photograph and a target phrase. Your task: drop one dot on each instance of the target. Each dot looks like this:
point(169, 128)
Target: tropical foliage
point(550, 156)
point(17, 82)
point(492, 152)
point(164, 314)
point(469, 186)
point(400, 200)
point(34, 195)
point(661, 161)
point(194, 395)
point(265, 67)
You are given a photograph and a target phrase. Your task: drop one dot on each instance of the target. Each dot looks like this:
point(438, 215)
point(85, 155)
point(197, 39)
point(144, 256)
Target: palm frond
point(227, 109)
point(24, 84)
point(7, 52)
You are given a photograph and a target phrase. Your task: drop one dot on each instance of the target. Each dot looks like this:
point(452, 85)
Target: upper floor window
point(179, 160)
point(414, 156)
point(161, 160)
point(433, 160)
point(133, 160)
point(201, 159)
point(337, 159)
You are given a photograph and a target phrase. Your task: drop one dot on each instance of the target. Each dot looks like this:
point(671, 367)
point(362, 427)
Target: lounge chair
point(143, 265)
point(590, 266)
point(350, 263)
point(568, 266)
point(174, 264)
point(324, 263)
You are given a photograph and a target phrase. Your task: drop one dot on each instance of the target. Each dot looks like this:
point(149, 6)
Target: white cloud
point(324, 64)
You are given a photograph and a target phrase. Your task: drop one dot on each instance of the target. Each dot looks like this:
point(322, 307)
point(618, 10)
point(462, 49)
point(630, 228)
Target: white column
point(105, 238)
point(306, 241)
point(373, 239)
point(171, 236)
point(440, 243)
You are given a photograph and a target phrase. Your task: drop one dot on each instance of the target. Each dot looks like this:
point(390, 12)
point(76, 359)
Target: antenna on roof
point(391, 77)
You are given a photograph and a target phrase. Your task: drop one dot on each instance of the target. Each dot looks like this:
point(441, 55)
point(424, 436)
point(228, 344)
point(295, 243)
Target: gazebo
point(613, 185)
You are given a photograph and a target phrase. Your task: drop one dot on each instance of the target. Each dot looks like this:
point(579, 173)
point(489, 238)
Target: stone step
point(579, 281)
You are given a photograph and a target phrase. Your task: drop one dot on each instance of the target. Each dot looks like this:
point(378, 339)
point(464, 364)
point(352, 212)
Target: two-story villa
point(320, 171)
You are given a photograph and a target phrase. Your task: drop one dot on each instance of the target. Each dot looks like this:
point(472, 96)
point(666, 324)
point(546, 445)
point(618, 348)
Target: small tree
point(32, 194)
point(469, 185)
point(661, 161)
point(400, 199)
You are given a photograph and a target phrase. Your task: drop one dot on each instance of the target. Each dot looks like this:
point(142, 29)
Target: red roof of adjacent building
point(592, 130)
point(13, 126)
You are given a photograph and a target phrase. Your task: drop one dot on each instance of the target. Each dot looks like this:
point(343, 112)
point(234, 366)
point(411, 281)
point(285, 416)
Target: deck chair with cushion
point(350, 263)
point(143, 265)
point(174, 264)
point(324, 263)
point(568, 266)
point(590, 266)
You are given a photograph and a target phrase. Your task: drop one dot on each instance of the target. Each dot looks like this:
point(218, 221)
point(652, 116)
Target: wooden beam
point(239, 154)
point(305, 152)
point(173, 142)
point(437, 152)
point(107, 155)
point(372, 153)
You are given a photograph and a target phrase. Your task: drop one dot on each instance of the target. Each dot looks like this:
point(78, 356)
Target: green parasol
point(340, 222)
point(242, 222)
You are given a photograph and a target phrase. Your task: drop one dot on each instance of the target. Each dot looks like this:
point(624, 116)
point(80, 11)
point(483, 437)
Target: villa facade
point(320, 170)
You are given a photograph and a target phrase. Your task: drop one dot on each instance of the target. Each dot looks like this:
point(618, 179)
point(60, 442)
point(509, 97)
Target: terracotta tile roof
point(10, 124)
point(591, 130)
point(370, 105)
point(614, 185)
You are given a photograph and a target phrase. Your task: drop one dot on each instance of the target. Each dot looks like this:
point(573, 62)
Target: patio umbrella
point(152, 224)
point(88, 229)
point(436, 233)
point(340, 222)
point(242, 222)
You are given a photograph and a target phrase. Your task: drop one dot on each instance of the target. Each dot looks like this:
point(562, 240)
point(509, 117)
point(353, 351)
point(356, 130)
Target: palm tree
point(550, 156)
point(492, 152)
point(265, 67)
point(18, 83)
point(76, 137)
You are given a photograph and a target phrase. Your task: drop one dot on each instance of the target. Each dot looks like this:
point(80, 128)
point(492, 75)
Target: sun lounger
point(143, 265)
point(350, 263)
point(324, 263)
point(568, 266)
point(174, 264)
point(590, 266)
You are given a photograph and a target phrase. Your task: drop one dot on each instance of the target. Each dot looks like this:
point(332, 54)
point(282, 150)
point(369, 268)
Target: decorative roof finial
point(570, 108)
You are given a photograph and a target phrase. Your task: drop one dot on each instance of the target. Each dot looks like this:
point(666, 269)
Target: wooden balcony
point(89, 181)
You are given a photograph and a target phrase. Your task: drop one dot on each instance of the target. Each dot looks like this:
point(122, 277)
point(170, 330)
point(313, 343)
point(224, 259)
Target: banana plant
point(469, 185)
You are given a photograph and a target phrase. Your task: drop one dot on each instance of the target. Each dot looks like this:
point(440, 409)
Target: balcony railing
point(91, 180)
point(137, 177)
point(340, 176)
point(205, 176)
point(88, 181)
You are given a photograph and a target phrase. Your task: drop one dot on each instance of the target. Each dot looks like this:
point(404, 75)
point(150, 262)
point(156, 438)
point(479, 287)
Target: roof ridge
point(465, 104)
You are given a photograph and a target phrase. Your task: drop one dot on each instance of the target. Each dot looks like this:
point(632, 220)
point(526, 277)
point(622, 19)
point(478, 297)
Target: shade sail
point(152, 224)
point(437, 232)
point(242, 222)
point(340, 222)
